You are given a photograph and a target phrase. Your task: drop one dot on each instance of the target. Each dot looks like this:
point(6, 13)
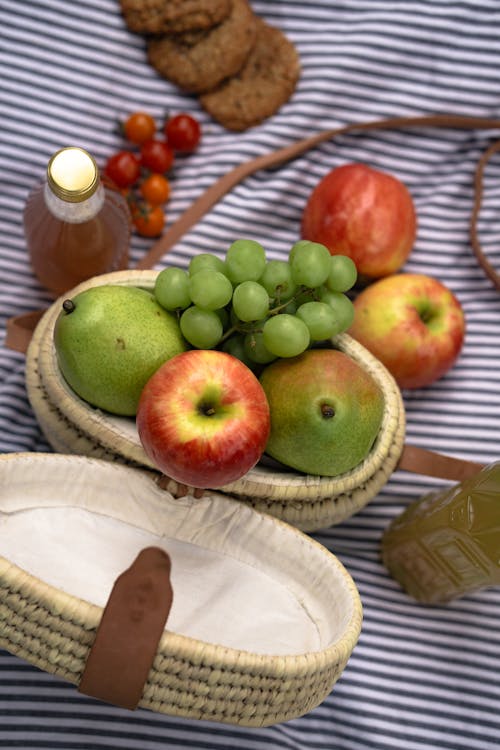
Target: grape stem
point(254, 328)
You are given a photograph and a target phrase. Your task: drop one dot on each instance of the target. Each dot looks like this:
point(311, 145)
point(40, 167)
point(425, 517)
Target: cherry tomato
point(139, 127)
point(157, 156)
point(155, 189)
point(148, 220)
point(123, 168)
point(183, 132)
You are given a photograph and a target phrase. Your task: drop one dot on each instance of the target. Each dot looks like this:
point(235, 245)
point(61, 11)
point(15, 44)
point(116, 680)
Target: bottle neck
point(74, 213)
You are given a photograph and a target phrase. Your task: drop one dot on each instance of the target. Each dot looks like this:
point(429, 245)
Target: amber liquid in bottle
point(447, 544)
point(72, 240)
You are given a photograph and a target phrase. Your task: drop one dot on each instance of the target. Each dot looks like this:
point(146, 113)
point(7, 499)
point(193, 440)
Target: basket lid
point(263, 618)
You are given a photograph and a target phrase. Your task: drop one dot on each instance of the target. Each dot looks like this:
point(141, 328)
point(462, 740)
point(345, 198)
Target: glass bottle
point(447, 543)
point(75, 226)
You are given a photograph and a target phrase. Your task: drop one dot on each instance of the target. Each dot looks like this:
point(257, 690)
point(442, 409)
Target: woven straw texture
point(55, 630)
point(308, 502)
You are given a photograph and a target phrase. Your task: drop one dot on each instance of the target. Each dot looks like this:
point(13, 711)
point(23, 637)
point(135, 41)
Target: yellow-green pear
point(109, 340)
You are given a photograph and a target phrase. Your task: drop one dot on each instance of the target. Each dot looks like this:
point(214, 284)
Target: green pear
point(326, 411)
point(109, 340)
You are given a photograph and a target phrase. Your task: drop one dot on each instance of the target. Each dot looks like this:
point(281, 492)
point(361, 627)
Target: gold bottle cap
point(72, 174)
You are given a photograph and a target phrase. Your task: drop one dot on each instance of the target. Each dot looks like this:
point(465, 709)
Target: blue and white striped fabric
point(421, 678)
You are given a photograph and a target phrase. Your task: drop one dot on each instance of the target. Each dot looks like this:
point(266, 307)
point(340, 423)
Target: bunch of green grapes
point(259, 309)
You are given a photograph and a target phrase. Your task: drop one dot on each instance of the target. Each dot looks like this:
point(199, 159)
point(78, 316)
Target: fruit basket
point(252, 638)
point(308, 502)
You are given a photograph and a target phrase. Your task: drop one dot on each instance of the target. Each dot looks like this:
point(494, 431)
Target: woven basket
point(100, 513)
point(308, 502)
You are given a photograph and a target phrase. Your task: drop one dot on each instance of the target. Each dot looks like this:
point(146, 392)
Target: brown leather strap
point(127, 638)
point(421, 461)
point(236, 175)
point(478, 196)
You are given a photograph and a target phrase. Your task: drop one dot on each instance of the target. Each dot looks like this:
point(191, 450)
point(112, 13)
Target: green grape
point(244, 326)
point(286, 335)
point(291, 308)
point(235, 345)
point(256, 350)
point(320, 320)
point(250, 301)
point(341, 306)
point(310, 264)
point(343, 274)
point(277, 280)
point(223, 315)
point(201, 328)
point(233, 318)
point(206, 260)
point(295, 247)
point(245, 261)
point(210, 289)
point(171, 289)
point(306, 295)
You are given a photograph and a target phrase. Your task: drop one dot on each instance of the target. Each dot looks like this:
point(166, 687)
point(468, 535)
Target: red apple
point(413, 324)
point(363, 213)
point(203, 418)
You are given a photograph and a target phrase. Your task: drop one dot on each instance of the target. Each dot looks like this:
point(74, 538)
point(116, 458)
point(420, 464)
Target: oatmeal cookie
point(265, 82)
point(199, 61)
point(173, 16)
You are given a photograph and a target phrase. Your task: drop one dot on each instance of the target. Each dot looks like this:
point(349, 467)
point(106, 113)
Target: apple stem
point(206, 410)
point(426, 313)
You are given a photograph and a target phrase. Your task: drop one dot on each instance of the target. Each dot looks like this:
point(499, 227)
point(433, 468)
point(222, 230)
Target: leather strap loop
point(20, 330)
point(127, 638)
point(422, 461)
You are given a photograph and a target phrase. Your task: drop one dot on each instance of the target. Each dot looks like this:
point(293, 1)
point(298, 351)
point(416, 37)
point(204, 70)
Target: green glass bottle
point(447, 544)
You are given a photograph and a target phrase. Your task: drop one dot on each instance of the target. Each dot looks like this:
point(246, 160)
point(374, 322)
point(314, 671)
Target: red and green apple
point(413, 324)
point(203, 418)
